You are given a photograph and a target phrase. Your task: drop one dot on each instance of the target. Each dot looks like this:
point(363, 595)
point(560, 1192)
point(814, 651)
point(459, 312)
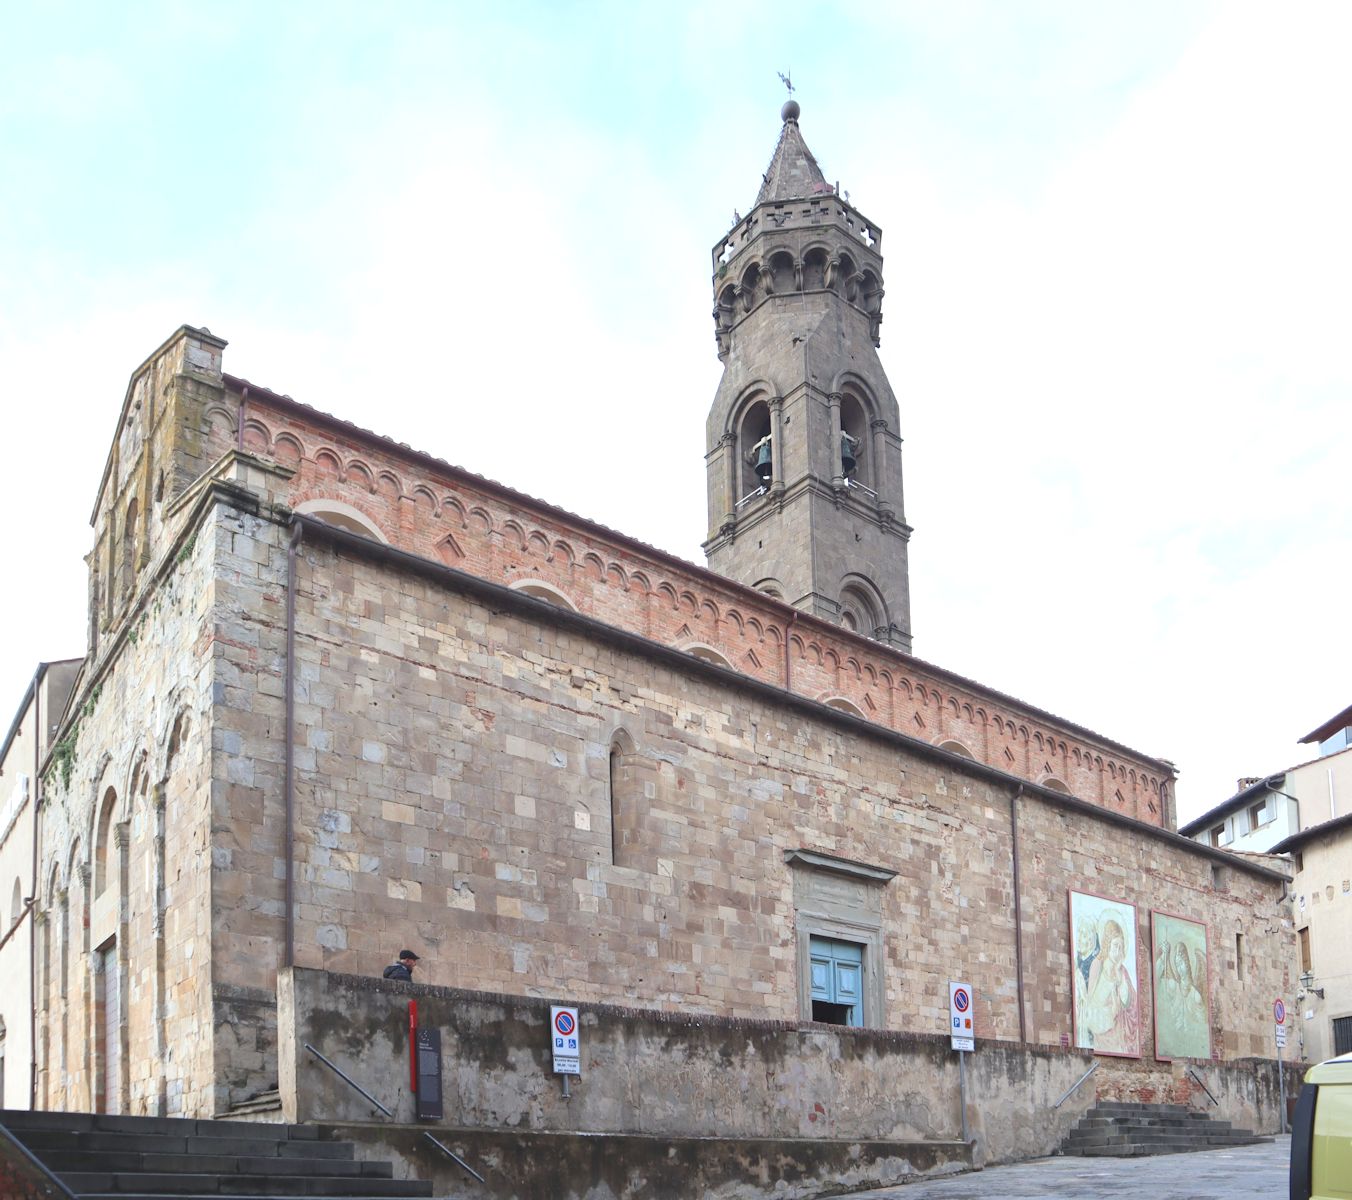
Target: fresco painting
point(1105, 998)
point(1179, 951)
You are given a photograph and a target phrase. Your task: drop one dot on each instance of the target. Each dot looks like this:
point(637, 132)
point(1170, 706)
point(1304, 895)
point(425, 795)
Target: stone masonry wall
point(126, 863)
point(452, 793)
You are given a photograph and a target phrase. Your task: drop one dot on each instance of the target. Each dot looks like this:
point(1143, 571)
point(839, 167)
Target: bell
point(847, 460)
point(764, 464)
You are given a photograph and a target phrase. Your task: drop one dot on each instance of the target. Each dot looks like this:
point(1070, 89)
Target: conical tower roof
point(793, 173)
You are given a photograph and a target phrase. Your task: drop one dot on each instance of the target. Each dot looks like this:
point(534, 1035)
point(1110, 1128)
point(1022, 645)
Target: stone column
point(837, 477)
point(158, 1045)
point(777, 442)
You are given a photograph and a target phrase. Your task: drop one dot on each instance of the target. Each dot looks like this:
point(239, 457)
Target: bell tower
point(803, 443)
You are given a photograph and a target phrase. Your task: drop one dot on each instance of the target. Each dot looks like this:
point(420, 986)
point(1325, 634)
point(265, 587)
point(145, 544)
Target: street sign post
point(961, 1003)
point(1279, 1019)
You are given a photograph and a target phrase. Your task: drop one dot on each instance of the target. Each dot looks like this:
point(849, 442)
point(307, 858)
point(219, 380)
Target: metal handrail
point(452, 1154)
point(1202, 1082)
point(48, 1182)
point(1074, 1087)
point(347, 1079)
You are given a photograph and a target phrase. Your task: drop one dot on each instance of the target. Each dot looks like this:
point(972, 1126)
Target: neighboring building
point(1268, 810)
point(343, 697)
point(1305, 811)
point(1322, 889)
point(25, 747)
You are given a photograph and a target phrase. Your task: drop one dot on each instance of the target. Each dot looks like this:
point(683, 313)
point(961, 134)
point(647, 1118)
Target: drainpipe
point(1018, 910)
point(32, 904)
point(288, 801)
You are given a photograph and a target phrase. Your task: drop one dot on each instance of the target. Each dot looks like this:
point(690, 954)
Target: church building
point(342, 697)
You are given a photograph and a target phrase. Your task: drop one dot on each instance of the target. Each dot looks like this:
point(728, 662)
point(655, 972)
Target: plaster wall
point(1323, 895)
point(18, 791)
point(672, 1076)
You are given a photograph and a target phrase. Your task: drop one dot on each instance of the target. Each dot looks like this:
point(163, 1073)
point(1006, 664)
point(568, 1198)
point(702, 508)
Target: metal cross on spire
point(785, 77)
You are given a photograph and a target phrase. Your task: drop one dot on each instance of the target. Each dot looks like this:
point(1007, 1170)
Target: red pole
point(413, 1046)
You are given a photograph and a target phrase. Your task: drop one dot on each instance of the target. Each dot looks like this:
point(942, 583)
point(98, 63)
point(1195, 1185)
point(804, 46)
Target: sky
point(1117, 253)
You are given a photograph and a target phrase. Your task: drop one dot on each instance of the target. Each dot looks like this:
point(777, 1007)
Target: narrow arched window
point(626, 795)
point(102, 841)
point(129, 550)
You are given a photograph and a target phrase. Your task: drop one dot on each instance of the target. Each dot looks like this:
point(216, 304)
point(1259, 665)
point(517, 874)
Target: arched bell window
point(755, 449)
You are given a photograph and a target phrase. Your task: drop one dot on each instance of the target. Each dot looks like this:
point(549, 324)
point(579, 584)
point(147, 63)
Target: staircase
point(1120, 1130)
point(164, 1158)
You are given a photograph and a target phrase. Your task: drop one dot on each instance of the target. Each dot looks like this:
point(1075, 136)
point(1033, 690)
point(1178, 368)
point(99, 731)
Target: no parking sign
point(564, 1040)
point(961, 1000)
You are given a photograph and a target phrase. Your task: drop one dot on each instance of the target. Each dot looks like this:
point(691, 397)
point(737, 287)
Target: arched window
point(624, 789)
point(860, 610)
point(953, 746)
point(752, 448)
point(844, 705)
point(343, 516)
point(129, 550)
point(1052, 783)
point(103, 840)
point(854, 427)
point(543, 591)
point(708, 654)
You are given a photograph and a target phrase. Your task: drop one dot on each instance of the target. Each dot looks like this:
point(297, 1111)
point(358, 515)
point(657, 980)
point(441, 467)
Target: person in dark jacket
point(403, 969)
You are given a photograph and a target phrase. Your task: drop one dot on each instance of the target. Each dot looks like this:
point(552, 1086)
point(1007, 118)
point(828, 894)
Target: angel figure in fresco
point(1110, 998)
point(1180, 1006)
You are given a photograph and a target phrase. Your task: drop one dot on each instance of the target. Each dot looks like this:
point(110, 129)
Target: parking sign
point(961, 1000)
point(564, 1040)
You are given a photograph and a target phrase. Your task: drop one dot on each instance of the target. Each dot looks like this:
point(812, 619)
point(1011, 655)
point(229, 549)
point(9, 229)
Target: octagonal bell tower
point(803, 443)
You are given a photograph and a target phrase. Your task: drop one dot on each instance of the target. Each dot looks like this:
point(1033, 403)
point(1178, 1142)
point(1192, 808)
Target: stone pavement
point(1238, 1173)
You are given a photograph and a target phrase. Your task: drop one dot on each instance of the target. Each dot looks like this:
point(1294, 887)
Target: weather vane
point(786, 80)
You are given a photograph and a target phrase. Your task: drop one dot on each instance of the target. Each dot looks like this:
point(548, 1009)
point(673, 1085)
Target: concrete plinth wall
point(810, 1090)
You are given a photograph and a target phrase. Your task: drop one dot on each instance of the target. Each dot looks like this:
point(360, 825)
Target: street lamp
point(1307, 985)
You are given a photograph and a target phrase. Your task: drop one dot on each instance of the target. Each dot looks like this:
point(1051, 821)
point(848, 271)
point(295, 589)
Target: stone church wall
point(126, 836)
point(452, 793)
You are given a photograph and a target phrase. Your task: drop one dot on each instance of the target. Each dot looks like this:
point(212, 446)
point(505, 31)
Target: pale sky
point(1119, 294)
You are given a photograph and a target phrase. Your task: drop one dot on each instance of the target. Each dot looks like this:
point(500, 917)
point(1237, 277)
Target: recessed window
point(837, 981)
point(1260, 814)
point(1221, 834)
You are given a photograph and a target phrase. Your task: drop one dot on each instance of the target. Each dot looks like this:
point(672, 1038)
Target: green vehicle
point(1321, 1135)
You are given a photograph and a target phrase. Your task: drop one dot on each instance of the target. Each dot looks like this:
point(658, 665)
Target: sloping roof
point(793, 173)
point(1332, 725)
point(1237, 801)
point(1297, 840)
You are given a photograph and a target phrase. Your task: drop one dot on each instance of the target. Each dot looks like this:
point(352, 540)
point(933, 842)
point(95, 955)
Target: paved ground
point(1243, 1173)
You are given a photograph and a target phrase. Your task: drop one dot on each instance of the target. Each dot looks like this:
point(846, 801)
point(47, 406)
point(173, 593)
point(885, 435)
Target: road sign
point(1279, 1011)
point(960, 1005)
point(564, 1040)
point(1281, 1036)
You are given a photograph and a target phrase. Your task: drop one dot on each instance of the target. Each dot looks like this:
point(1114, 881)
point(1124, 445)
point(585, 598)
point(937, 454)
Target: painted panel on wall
point(1105, 998)
point(1181, 987)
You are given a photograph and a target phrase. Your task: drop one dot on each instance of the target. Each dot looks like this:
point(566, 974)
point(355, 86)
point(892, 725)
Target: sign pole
point(1279, 1017)
point(962, 1091)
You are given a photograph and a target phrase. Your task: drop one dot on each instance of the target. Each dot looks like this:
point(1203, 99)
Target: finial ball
point(790, 110)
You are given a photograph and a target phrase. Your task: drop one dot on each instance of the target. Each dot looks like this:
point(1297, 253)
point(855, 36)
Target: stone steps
point(1119, 1130)
point(167, 1157)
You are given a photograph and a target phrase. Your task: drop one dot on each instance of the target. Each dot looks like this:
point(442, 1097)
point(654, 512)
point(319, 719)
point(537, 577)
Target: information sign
point(960, 1005)
point(565, 1040)
point(1279, 1011)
